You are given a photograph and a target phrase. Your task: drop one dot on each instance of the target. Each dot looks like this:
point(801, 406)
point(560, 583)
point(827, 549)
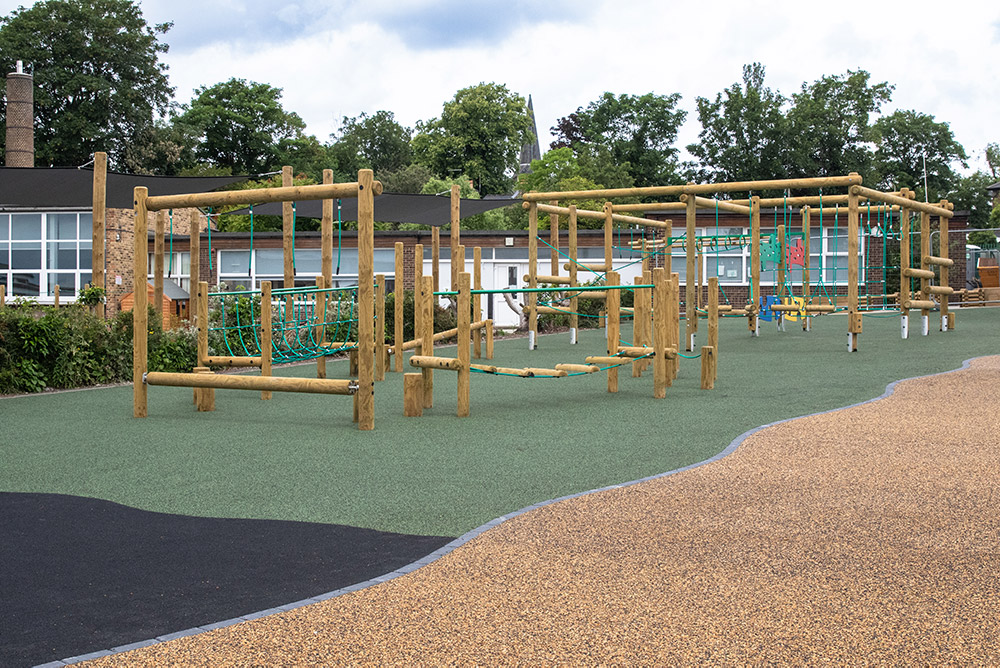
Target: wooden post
point(426, 306)
point(139, 317)
point(699, 271)
point(805, 264)
point(904, 265)
point(397, 303)
point(707, 367)
point(418, 285)
point(574, 301)
point(532, 298)
point(690, 283)
point(194, 247)
point(436, 260)
point(366, 301)
point(326, 267)
point(613, 304)
point(754, 310)
point(713, 318)
point(477, 300)
point(380, 327)
point(266, 352)
point(204, 396)
point(160, 223)
point(55, 296)
point(554, 242)
point(853, 313)
point(319, 332)
point(489, 339)
point(3, 295)
point(457, 263)
point(779, 290)
point(674, 324)
point(661, 376)
point(413, 397)
point(943, 276)
point(202, 306)
point(288, 243)
point(925, 250)
point(464, 321)
point(98, 240)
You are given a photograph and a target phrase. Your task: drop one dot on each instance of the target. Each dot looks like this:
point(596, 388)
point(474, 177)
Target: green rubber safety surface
point(299, 456)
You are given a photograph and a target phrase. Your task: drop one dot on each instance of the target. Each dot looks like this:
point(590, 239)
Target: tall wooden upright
point(943, 278)
point(574, 302)
point(806, 232)
point(97, 278)
point(613, 303)
point(457, 263)
point(464, 317)
point(326, 268)
point(397, 304)
point(194, 272)
point(436, 259)
point(288, 231)
point(754, 309)
point(139, 315)
point(853, 248)
point(691, 280)
point(366, 300)
point(532, 298)
point(660, 311)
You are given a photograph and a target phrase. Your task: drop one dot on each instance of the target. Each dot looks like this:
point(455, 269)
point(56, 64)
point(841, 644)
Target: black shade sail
point(391, 208)
point(69, 187)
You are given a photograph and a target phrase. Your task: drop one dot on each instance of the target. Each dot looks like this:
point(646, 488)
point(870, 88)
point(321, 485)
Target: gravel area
point(865, 535)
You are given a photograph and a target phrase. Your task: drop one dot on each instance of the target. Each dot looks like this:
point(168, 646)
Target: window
point(176, 268)
point(241, 271)
point(39, 251)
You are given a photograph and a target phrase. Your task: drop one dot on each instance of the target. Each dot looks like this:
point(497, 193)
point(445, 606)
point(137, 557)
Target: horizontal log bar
point(263, 383)
point(939, 261)
point(578, 368)
point(428, 362)
point(912, 205)
point(634, 351)
point(258, 196)
point(785, 308)
point(722, 205)
point(607, 360)
point(555, 280)
point(599, 215)
point(911, 272)
point(555, 373)
point(487, 368)
point(709, 188)
point(940, 289)
point(922, 304)
point(820, 308)
point(593, 266)
point(523, 373)
point(231, 361)
point(549, 310)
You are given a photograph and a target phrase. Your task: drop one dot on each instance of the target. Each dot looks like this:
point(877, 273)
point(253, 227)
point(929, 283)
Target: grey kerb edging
point(465, 538)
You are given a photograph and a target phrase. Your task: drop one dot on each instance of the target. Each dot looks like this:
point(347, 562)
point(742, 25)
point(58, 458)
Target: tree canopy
point(639, 131)
point(744, 131)
point(480, 133)
point(240, 125)
point(98, 79)
point(909, 141)
point(375, 142)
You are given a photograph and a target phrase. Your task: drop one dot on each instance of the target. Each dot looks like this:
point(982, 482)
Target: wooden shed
point(176, 303)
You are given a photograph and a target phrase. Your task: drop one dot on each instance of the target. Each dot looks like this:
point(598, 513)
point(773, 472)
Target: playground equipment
point(365, 189)
point(691, 200)
point(657, 307)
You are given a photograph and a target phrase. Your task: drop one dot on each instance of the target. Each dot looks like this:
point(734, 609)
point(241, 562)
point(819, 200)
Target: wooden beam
point(933, 209)
point(366, 301)
point(140, 326)
point(259, 196)
point(160, 222)
point(464, 334)
point(269, 383)
point(98, 238)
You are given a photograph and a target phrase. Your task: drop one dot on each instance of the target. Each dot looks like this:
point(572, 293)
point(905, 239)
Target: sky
point(337, 58)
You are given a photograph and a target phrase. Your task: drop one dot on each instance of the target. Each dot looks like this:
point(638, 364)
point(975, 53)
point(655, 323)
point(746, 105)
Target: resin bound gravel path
point(865, 535)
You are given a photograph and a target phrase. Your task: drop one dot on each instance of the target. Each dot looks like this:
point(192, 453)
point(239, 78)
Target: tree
point(98, 79)
point(375, 142)
point(829, 125)
point(969, 194)
point(744, 132)
point(241, 125)
point(637, 130)
point(906, 139)
point(409, 179)
point(480, 133)
point(993, 159)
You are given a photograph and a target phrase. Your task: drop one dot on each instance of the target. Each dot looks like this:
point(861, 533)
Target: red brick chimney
point(20, 147)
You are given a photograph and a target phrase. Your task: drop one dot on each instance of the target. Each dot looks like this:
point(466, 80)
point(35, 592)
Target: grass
point(299, 457)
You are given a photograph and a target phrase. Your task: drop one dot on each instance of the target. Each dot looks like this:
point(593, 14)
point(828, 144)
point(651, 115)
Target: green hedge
point(45, 347)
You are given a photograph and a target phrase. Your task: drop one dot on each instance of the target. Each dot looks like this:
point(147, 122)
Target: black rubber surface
point(79, 575)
